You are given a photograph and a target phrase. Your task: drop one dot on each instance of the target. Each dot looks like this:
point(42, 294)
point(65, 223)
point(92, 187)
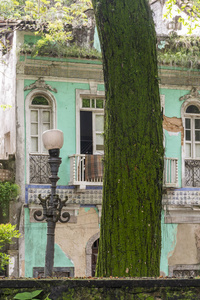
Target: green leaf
point(28, 295)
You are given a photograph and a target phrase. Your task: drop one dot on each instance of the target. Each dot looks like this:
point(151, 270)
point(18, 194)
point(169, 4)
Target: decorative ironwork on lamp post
point(52, 204)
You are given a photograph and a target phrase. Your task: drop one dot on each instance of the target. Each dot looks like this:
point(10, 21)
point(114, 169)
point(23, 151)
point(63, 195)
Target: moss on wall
point(132, 289)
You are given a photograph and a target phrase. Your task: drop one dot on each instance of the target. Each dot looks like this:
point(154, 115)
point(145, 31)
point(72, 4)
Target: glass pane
point(188, 123)
point(99, 122)
point(99, 103)
point(93, 103)
point(40, 101)
point(46, 116)
point(34, 129)
point(188, 150)
point(85, 102)
point(197, 135)
point(197, 150)
point(99, 142)
point(46, 126)
point(192, 109)
point(34, 144)
point(34, 116)
point(188, 135)
point(197, 123)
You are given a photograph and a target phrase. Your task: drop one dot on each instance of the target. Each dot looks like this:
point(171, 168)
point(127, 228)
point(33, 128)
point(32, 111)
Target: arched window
point(192, 131)
point(40, 120)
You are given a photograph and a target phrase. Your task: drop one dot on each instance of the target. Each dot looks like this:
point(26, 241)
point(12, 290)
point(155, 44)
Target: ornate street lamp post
point(52, 204)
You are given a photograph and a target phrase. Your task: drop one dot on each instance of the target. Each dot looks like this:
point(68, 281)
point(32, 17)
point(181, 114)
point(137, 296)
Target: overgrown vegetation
point(7, 233)
point(8, 191)
point(182, 51)
point(50, 17)
point(58, 50)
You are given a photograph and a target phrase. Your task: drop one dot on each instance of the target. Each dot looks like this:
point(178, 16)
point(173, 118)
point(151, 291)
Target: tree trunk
point(130, 240)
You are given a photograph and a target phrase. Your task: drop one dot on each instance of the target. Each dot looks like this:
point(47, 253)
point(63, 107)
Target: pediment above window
point(194, 93)
point(40, 83)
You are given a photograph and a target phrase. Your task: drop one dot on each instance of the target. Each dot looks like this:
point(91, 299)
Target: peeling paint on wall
point(174, 125)
point(169, 233)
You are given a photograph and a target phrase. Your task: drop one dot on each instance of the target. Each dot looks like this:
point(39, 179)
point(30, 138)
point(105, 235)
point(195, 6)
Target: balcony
point(170, 176)
point(86, 169)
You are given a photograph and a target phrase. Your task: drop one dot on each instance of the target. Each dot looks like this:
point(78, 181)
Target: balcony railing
point(170, 178)
point(192, 173)
point(86, 169)
point(39, 169)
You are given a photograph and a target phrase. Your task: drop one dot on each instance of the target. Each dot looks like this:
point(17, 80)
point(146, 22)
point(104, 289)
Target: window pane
point(85, 102)
point(197, 135)
point(197, 123)
point(197, 150)
point(46, 127)
point(93, 103)
point(34, 129)
point(99, 103)
point(188, 150)
point(34, 115)
point(188, 135)
point(192, 109)
point(188, 123)
point(46, 116)
point(34, 144)
point(99, 122)
point(99, 142)
point(40, 101)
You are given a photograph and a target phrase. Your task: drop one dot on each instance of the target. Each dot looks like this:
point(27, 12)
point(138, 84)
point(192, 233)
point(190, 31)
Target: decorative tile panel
point(182, 197)
point(88, 196)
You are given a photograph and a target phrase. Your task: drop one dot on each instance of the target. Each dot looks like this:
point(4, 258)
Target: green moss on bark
point(130, 240)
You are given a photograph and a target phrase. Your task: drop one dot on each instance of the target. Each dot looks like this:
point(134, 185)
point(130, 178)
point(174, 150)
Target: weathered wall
point(7, 96)
point(70, 241)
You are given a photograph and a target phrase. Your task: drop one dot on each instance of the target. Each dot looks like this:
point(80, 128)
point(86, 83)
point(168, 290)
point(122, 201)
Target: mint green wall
point(173, 146)
point(169, 232)
point(35, 247)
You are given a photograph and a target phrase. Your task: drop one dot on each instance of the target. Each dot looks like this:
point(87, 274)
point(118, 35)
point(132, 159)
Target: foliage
point(7, 233)
point(51, 17)
point(57, 50)
point(191, 10)
point(5, 106)
point(177, 50)
point(28, 295)
point(8, 192)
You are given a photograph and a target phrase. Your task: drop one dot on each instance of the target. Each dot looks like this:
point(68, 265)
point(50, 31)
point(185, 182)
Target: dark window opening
point(95, 248)
point(39, 100)
point(192, 109)
point(86, 132)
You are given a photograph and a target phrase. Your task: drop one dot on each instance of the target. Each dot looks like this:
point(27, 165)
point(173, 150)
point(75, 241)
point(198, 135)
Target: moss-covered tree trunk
point(130, 240)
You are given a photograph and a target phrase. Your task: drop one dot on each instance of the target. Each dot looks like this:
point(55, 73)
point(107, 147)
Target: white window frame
point(81, 94)
point(28, 104)
point(184, 115)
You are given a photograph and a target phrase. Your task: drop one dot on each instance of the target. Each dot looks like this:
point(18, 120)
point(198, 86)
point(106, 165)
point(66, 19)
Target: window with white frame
point(91, 125)
point(40, 120)
point(191, 153)
point(192, 132)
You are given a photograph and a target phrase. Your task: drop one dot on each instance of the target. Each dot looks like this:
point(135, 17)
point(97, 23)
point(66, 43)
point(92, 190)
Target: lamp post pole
point(52, 204)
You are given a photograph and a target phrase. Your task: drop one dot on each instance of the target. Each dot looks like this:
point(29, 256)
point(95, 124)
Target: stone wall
point(109, 289)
